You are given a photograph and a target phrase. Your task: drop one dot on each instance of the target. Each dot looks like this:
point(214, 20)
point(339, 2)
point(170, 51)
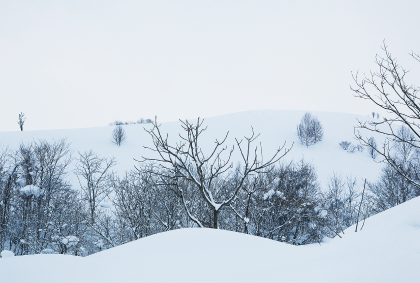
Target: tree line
point(181, 187)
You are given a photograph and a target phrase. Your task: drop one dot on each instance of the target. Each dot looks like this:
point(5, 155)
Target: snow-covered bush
point(70, 241)
point(31, 190)
point(283, 205)
point(291, 206)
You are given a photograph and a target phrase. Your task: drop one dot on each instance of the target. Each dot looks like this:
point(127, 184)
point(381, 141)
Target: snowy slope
point(275, 127)
point(386, 250)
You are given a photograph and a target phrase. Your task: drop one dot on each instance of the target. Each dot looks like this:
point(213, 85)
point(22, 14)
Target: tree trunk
point(215, 216)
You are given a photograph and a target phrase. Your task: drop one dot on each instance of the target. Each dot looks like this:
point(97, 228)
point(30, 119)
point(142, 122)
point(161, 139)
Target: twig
point(361, 201)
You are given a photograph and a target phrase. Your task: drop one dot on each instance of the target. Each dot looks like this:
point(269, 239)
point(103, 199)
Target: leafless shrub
point(371, 143)
point(118, 135)
point(352, 149)
point(345, 145)
point(310, 130)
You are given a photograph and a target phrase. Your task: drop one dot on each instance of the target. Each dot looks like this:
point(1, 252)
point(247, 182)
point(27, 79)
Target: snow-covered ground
point(275, 127)
point(386, 250)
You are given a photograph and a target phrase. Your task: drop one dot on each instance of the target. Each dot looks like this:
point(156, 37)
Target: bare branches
point(388, 90)
point(415, 56)
point(391, 93)
point(206, 173)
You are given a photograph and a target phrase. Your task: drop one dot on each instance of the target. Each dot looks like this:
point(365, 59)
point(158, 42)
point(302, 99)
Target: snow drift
point(387, 249)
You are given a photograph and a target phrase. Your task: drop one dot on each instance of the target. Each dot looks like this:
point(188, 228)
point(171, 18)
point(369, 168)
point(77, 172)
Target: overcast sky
point(69, 64)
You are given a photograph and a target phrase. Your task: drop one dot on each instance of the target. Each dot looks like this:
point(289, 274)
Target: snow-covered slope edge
point(386, 250)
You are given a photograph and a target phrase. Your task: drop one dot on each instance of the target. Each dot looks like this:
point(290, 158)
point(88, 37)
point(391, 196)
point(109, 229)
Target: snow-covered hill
point(386, 250)
point(275, 127)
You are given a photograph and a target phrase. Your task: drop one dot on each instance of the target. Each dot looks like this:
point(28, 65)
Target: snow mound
point(387, 249)
point(6, 253)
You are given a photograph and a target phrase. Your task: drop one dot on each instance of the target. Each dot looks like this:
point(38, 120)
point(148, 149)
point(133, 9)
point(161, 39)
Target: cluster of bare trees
point(39, 210)
point(282, 204)
point(37, 206)
point(181, 186)
point(343, 203)
point(184, 187)
point(398, 181)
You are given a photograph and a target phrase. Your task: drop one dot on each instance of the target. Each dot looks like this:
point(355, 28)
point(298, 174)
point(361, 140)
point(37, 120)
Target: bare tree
point(372, 147)
point(118, 135)
point(21, 120)
point(388, 90)
point(404, 150)
point(186, 167)
point(91, 171)
point(310, 130)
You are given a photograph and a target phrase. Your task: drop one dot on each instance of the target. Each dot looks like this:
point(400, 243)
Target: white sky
point(85, 63)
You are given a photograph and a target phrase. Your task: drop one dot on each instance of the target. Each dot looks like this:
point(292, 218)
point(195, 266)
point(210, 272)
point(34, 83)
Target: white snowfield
point(274, 126)
point(386, 250)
